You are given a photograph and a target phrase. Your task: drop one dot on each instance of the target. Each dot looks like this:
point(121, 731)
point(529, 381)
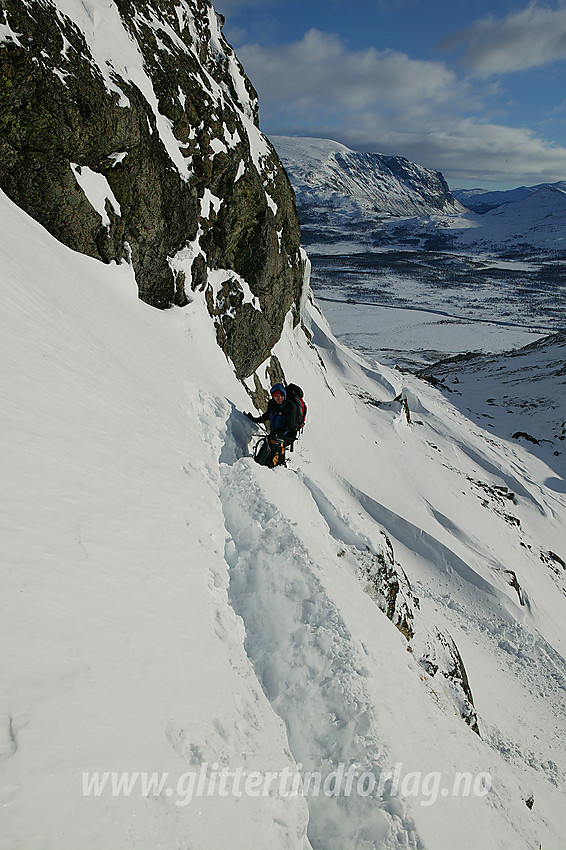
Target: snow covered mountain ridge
point(129, 130)
point(388, 609)
point(172, 609)
point(535, 224)
point(483, 200)
point(328, 175)
point(351, 201)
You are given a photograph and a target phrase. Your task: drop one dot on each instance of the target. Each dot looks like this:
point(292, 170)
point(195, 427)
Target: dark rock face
point(388, 585)
point(441, 655)
point(146, 102)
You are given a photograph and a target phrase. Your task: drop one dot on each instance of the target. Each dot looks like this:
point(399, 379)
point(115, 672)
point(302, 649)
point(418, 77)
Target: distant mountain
point(328, 178)
point(482, 200)
point(350, 202)
point(538, 221)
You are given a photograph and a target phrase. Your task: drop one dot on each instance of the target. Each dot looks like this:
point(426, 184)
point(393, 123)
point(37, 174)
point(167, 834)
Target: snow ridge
point(483, 200)
point(170, 606)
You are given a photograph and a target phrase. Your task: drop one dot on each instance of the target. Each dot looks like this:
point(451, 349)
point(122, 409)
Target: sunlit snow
point(171, 608)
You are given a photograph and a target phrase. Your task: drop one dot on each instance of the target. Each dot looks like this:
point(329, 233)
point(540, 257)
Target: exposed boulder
point(387, 584)
point(437, 653)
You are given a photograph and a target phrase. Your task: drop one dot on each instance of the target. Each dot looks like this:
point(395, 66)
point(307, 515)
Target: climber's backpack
point(270, 452)
point(295, 393)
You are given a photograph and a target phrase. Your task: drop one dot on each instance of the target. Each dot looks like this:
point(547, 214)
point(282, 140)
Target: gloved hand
point(251, 416)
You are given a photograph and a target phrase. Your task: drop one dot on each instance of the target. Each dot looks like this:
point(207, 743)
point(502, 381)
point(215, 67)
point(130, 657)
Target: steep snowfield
point(121, 650)
point(169, 607)
point(519, 395)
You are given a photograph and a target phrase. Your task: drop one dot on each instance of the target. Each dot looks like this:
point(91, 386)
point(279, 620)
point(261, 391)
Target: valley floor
point(411, 308)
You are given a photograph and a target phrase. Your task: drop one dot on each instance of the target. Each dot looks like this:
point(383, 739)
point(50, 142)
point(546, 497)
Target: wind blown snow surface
point(170, 609)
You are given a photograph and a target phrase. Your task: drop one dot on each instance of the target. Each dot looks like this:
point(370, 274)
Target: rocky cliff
point(129, 130)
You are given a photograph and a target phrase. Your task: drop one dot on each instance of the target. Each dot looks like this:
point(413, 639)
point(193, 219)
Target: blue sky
point(472, 88)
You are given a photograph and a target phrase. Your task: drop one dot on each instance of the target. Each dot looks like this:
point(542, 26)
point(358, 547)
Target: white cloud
point(531, 38)
point(319, 65)
point(472, 151)
point(387, 102)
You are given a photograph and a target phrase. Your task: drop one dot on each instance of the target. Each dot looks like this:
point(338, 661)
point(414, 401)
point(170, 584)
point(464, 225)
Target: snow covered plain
point(170, 608)
point(440, 287)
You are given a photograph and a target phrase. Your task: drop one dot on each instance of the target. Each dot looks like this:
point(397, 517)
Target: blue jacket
point(284, 420)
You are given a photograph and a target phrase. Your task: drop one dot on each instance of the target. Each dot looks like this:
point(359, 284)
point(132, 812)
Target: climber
point(284, 417)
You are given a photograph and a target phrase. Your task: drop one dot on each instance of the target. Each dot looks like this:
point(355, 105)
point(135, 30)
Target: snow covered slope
point(329, 177)
point(483, 200)
point(518, 395)
point(538, 222)
point(170, 608)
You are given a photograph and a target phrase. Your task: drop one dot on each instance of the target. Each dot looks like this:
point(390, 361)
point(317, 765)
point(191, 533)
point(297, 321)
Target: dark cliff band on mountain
point(173, 130)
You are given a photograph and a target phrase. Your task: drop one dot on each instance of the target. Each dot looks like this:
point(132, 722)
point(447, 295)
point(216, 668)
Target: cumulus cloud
point(531, 38)
point(385, 101)
point(318, 73)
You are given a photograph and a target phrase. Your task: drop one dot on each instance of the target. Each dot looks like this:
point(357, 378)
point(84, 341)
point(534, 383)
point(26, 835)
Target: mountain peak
point(325, 173)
